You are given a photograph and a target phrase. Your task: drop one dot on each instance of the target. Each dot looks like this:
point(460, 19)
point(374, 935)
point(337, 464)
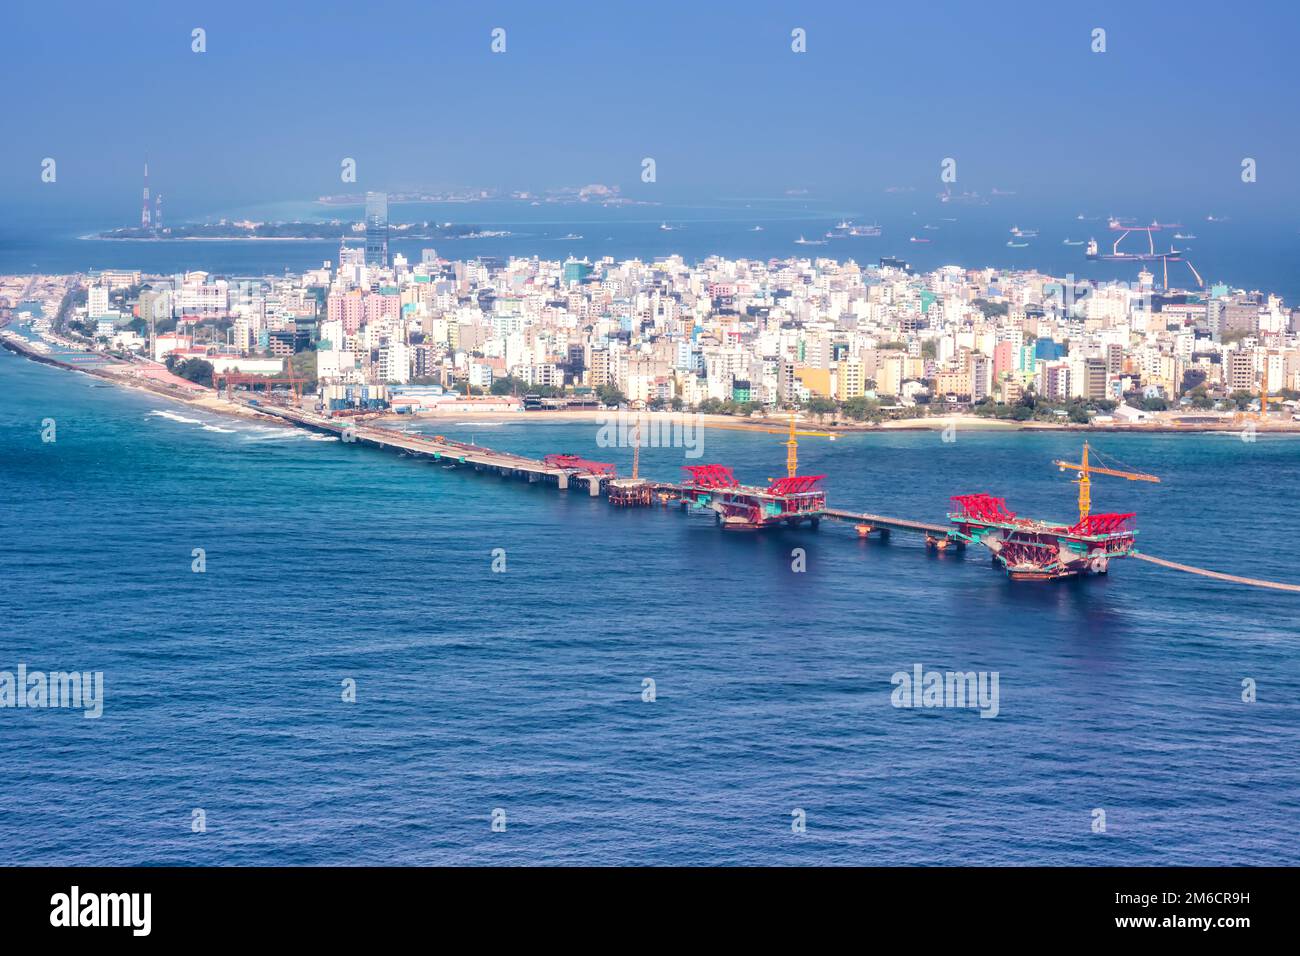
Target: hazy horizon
point(1013, 92)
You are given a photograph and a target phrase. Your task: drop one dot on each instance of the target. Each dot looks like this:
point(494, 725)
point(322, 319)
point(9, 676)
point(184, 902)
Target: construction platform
point(1033, 550)
point(789, 501)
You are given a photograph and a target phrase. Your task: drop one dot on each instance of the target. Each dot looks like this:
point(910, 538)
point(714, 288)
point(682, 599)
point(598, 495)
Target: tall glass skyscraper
point(377, 229)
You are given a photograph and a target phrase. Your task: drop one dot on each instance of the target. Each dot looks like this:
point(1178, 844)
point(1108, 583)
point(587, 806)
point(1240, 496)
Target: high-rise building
point(849, 380)
point(145, 213)
point(1093, 385)
point(576, 271)
point(377, 229)
point(97, 300)
point(1239, 371)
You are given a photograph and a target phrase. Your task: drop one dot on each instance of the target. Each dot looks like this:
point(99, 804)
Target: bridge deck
point(422, 445)
point(884, 521)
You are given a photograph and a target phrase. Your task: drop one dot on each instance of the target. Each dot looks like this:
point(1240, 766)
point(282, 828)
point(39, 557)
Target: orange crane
point(1086, 470)
point(791, 443)
point(1265, 398)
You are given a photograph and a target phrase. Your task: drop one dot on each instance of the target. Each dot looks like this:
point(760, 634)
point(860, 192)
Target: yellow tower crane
point(1087, 470)
point(1265, 398)
point(791, 443)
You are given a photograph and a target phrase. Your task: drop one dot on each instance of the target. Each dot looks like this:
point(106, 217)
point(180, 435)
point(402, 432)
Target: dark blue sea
point(521, 691)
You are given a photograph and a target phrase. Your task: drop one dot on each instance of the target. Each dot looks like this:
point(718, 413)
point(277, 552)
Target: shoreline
point(209, 400)
point(805, 423)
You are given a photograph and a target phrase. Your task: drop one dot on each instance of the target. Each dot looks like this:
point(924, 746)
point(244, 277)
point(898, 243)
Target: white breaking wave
point(172, 416)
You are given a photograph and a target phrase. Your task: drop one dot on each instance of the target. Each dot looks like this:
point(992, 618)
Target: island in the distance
point(333, 229)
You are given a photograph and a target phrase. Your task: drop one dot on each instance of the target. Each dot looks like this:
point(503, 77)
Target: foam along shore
point(139, 378)
point(151, 378)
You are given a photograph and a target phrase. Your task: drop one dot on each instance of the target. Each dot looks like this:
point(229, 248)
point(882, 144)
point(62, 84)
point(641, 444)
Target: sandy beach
point(137, 377)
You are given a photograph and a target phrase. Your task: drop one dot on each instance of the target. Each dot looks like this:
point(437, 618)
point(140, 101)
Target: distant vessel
point(572, 235)
point(1073, 242)
point(801, 241)
point(1091, 251)
point(1179, 235)
point(1017, 245)
point(1216, 218)
point(844, 229)
point(1024, 233)
point(928, 226)
point(757, 229)
point(916, 239)
point(665, 227)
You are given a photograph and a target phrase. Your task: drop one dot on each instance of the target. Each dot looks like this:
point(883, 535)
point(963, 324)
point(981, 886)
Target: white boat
point(665, 227)
point(801, 241)
point(1073, 242)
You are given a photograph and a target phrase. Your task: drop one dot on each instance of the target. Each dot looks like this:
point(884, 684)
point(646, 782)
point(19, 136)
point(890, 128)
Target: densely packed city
point(864, 341)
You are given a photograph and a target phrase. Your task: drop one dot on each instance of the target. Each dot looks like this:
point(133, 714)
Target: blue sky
point(712, 91)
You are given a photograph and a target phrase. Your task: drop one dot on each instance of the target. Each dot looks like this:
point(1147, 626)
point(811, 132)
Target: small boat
point(664, 227)
point(1073, 242)
point(1179, 235)
point(801, 241)
point(916, 239)
point(1017, 245)
point(757, 229)
point(1024, 233)
point(928, 226)
point(572, 235)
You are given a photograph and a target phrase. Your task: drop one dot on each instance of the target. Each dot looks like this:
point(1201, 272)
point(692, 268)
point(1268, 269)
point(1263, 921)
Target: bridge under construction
point(1026, 548)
